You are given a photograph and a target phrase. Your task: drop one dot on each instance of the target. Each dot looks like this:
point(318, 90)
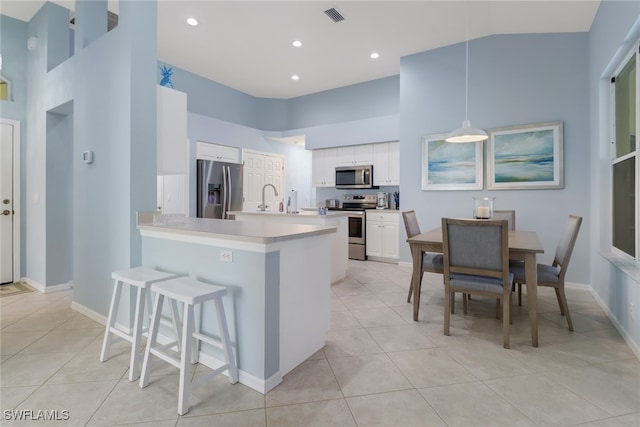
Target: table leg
point(416, 254)
point(531, 276)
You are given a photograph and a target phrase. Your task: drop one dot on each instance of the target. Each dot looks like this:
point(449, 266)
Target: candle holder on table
point(483, 207)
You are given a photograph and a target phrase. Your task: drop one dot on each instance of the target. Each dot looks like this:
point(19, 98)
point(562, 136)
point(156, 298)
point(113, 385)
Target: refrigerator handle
point(230, 187)
point(225, 191)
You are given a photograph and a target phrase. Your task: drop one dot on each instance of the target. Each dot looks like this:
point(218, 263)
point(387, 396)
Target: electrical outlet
point(632, 311)
point(226, 255)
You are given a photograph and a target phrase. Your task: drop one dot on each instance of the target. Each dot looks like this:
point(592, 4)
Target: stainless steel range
point(357, 204)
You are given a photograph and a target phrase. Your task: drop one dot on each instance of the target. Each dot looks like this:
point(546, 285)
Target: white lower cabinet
point(171, 195)
point(382, 234)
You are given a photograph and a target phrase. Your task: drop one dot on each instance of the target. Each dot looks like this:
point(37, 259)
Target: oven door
point(356, 228)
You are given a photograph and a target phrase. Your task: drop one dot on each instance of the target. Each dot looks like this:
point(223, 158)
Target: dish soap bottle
point(281, 207)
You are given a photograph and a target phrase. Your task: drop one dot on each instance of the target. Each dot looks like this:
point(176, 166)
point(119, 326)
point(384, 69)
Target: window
point(625, 158)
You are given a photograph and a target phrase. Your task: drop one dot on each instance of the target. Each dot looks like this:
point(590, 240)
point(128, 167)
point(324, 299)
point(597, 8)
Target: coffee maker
point(383, 201)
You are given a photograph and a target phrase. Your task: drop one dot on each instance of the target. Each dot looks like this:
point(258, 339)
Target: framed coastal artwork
point(450, 166)
point(525, 157)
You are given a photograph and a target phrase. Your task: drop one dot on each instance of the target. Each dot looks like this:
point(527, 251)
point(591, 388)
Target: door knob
point(6, 212)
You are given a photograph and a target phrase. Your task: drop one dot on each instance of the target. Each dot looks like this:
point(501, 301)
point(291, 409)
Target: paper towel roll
point(294, 201)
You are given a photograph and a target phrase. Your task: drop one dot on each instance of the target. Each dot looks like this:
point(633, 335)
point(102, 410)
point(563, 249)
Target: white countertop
point(246, 231)
point(384, 210)
point(305, 213)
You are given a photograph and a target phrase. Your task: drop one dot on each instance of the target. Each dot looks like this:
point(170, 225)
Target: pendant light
point(466, 133)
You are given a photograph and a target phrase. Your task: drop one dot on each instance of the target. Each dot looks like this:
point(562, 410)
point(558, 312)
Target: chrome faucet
point(263, 206)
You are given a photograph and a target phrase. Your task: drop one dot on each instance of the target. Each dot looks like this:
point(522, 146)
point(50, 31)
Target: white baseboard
point(635, 348)
point(405, 264)
point(259, 385)
point(46, 289)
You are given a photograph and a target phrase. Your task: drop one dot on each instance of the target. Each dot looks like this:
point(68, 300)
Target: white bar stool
point(189, 292)
point(142, 278)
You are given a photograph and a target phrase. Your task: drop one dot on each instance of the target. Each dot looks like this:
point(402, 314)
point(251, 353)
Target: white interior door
point(6, 203)
point(260, 169)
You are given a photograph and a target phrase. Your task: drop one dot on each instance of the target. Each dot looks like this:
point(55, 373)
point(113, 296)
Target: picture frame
point(526, 157)
point(450, 166)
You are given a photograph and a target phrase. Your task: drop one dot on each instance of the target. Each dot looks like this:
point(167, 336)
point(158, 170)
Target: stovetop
point(357, 202)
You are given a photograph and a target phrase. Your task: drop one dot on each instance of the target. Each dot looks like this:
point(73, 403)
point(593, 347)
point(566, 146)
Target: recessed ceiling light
point(192, 21)
point(374, 55)
point(297, 43)
point(295, 77)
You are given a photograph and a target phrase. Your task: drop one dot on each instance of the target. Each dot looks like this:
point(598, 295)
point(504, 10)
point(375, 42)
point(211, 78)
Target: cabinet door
point(394, 164)
point(329, 166)
point(171, 131)
point(345, 156)
point(374, 238)
point(323, 168)
point(390, 239)
point(363, 154)
point(228, 154)
point(381, 164)
point(386, 163)
point(171, 194)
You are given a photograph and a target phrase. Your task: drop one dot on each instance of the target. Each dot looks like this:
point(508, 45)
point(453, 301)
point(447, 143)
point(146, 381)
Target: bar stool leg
point(111, 320)
point(134, 365)
point(185, 360)
point(151, 340)
point(175, 318)
point(226, 341)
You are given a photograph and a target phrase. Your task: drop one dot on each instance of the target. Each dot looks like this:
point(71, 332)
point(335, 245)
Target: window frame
point(634, 52)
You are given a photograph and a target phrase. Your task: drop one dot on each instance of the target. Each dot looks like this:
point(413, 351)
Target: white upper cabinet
point(220, 153)
point(172, 131)
point(355, 155)
point(323, 168)
point(386, 163)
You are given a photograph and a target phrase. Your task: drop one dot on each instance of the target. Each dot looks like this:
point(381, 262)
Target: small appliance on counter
point(382, 201)
point(332, 203)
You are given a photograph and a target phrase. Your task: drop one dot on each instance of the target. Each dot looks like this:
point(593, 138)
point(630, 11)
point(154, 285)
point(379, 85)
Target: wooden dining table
point(523, 245)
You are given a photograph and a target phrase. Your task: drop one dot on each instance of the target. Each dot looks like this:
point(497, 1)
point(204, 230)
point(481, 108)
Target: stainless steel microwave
point(354, 176)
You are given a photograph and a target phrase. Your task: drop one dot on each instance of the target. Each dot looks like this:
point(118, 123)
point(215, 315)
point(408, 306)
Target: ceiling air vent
point(334, 15)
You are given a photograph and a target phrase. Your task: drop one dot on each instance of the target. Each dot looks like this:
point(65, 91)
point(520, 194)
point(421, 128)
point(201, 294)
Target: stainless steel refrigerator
point(219, 189)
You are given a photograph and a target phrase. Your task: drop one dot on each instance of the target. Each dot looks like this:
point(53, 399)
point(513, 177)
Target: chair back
point(411, 223)
point(476, 247)
point(566, 244)
point(510, 216)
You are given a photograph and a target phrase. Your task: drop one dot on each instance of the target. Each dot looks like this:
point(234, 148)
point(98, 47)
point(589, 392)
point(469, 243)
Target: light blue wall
point(59, 226)
point(613, 32)
point(46, 90)
point(13, 45)
point(513, 79)
point(360, 101)
point(212, 99)
point(115, 117)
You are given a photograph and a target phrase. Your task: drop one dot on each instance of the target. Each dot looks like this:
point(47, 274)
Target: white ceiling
point(247, 44)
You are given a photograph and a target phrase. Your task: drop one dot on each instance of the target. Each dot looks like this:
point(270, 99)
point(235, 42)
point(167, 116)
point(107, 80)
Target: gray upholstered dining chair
point(476, 261)
point(553, 275)
point(509, 215)
point(430, 262)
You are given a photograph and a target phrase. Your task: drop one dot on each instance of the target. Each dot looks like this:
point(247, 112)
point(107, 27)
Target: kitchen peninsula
point(339, 240)
point(278, 281)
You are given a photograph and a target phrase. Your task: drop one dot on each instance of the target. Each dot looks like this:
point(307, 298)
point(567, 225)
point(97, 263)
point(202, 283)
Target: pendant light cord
point(466, 79)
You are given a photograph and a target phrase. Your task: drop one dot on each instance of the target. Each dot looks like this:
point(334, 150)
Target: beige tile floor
point(379, 368)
